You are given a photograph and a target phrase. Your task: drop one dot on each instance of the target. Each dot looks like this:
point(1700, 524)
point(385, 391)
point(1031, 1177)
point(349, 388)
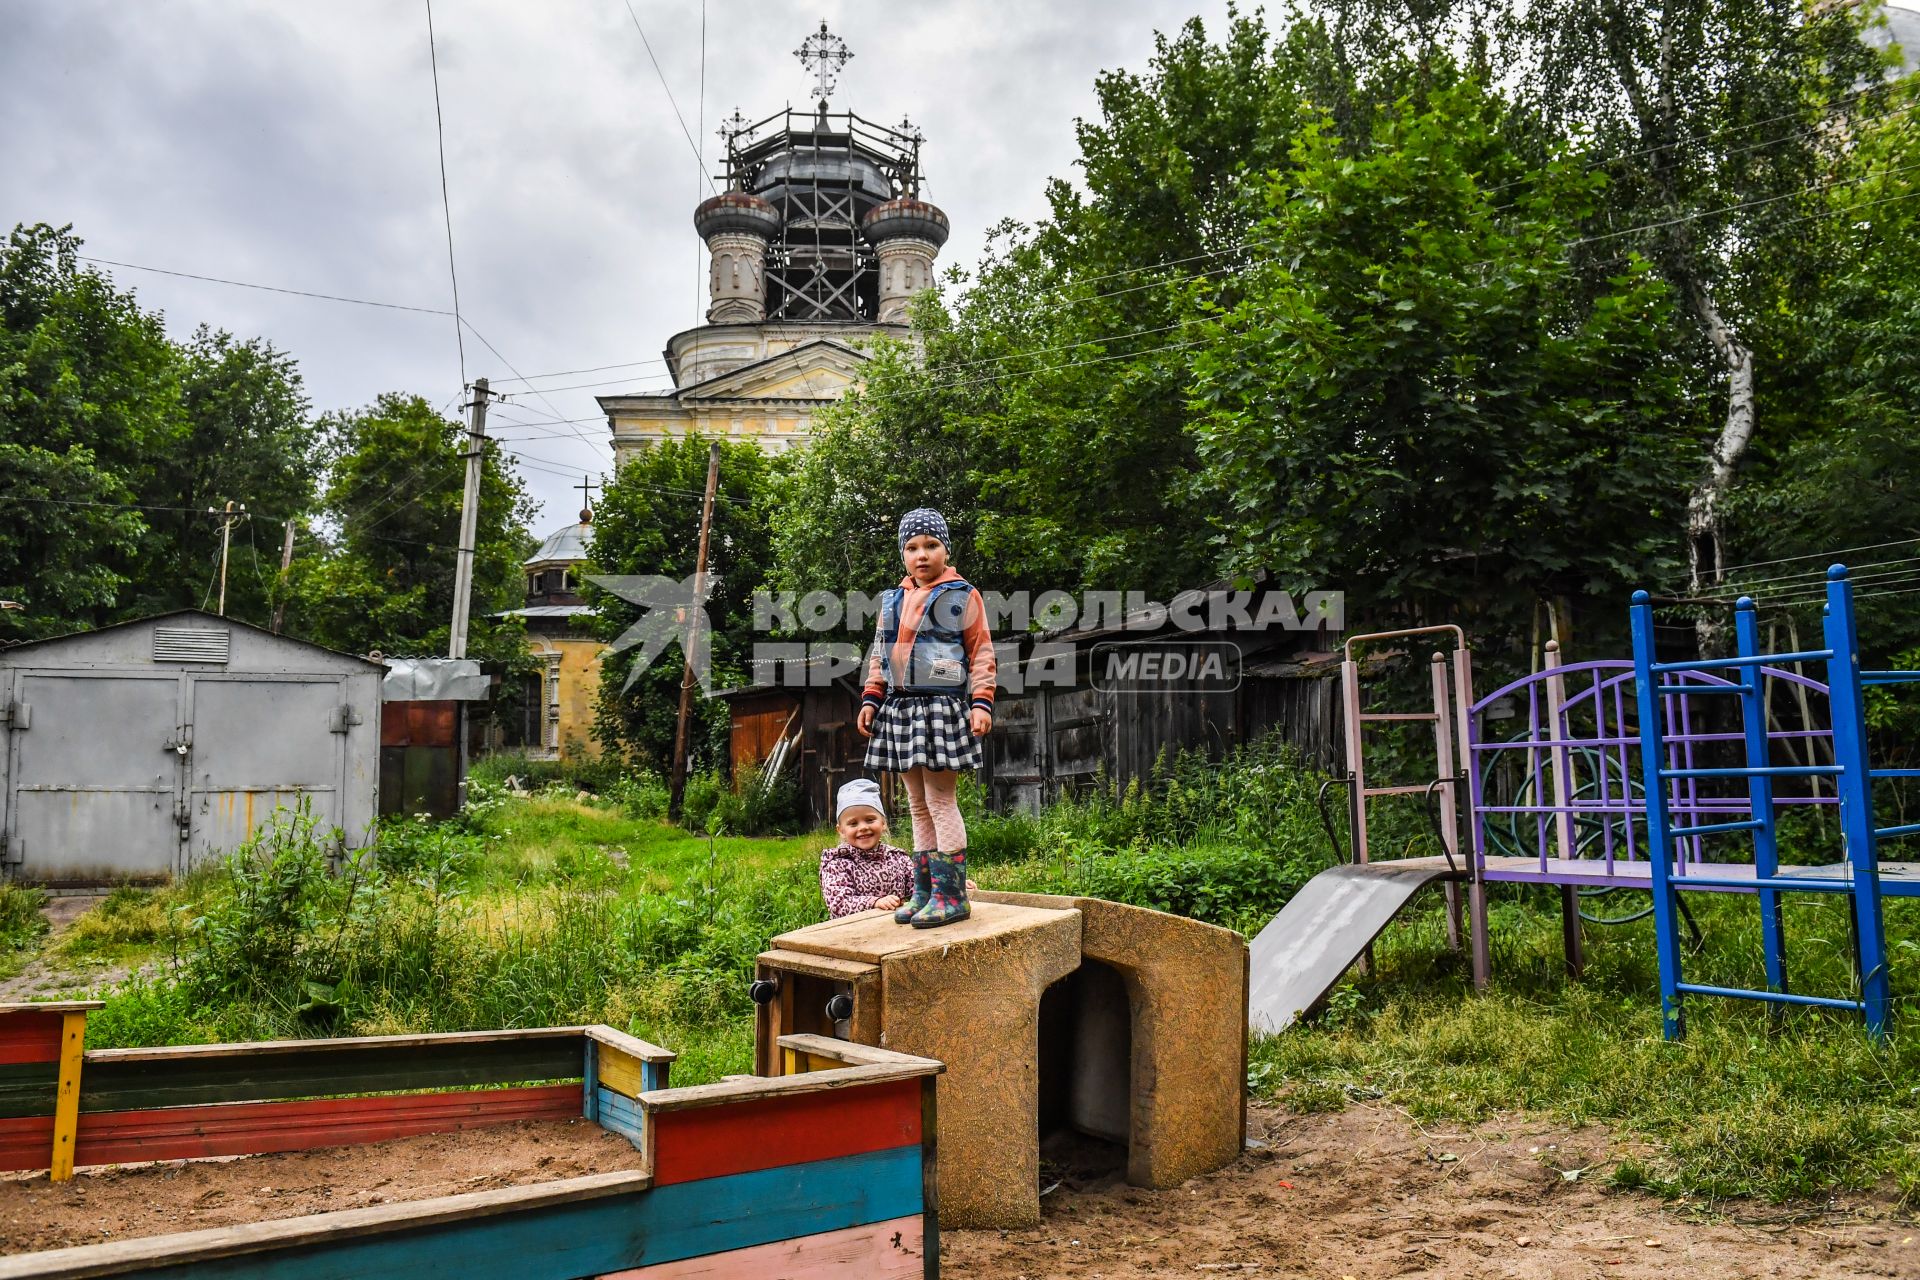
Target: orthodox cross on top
point(823, 53)
point(733, 126)
point(586, 488)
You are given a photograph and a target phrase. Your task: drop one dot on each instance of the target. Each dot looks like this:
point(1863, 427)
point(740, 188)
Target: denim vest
point(938, 660)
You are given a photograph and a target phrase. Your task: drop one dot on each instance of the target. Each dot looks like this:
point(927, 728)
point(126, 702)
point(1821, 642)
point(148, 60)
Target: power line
point(599, 368)
point(265, 288)
point(691, 144)
point(557, 415)
point(605, 382)
point(1819, 571)
point(446, 204)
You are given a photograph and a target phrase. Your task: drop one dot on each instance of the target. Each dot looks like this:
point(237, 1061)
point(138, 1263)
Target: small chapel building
point(561, 695)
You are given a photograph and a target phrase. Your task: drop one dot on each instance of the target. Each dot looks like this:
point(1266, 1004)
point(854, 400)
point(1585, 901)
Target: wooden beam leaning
point(66, 1104)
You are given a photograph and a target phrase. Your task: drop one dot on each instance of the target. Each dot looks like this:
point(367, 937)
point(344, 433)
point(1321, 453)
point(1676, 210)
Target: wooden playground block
point(803, 1176)
point(1052, 1014)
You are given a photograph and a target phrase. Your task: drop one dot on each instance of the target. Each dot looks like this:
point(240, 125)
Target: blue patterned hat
point(923, 520)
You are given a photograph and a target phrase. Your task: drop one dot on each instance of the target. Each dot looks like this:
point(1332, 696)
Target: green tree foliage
point(115, 440)
point(1842, 467)
point(1719, 123)
point(89, 391)
point(1413, 397)
point(382, 575)
point(648, 523)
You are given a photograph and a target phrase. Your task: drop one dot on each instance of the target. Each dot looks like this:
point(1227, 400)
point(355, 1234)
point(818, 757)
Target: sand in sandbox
point(118, 1202)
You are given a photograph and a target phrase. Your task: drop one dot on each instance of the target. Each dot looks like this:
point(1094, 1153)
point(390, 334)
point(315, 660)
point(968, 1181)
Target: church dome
point(567, 545)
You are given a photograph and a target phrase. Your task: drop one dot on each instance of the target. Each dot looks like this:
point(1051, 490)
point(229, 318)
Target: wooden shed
point(819, 724)
point(1063, 716)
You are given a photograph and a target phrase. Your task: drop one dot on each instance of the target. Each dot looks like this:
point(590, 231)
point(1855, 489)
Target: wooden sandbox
point(823, 1172)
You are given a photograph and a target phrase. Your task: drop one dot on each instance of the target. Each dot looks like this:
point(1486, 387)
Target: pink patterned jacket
point(852, 880)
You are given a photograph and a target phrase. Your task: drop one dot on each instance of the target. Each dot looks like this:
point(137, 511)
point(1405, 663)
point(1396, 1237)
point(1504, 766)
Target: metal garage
point(136, 751)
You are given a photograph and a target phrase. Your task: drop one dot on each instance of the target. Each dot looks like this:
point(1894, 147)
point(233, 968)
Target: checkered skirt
point(922, 730)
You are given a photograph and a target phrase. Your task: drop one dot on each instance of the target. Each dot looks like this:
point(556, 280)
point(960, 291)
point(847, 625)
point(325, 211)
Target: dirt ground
point(1368, 1193)
point(118, 1202)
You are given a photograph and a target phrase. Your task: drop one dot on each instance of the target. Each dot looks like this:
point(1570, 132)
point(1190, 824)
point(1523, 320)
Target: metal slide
point(1327, 926)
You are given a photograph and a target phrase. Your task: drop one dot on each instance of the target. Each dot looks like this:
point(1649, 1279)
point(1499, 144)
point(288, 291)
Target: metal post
point(469, 522)
point(1666, 919)
point(1766, 849)
point(1449, 802)
point(1561, 760)
point(677, 788)
point(1856, 797)
point(1356, 766)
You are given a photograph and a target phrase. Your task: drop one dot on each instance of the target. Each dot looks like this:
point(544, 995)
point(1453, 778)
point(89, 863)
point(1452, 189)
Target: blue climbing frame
point(1853, 778)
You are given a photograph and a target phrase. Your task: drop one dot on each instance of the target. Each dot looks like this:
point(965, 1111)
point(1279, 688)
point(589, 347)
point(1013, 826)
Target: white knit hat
point(860, 791)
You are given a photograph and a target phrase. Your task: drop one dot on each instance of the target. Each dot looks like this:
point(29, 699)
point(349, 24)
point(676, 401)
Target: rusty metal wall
point(120, 765)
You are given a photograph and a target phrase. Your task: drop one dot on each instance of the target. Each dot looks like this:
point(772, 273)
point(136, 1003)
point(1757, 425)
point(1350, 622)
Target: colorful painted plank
point(620, 1114)
point(711, 1142)
point(28, 1088)
point(134, 1080)
point(26, 1142)
point(878, 1251)
point(256, 1128)
point(558, 1231)
point(30, 1036)
point(619, 1071)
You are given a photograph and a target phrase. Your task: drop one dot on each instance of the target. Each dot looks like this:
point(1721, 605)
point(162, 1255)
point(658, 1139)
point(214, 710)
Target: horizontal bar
point(1888, 833)
point(1715, 828)
point(1761, 882)
point(1889, 677)
point(1763, 771)
point(1893, 773)
point(1756, 660)
point(1408, 790)
point(1773, 997)
point(1401, 715)
point(1664, 689)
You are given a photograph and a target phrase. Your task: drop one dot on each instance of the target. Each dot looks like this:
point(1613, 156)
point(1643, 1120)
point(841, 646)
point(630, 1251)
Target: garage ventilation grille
point(190, 644)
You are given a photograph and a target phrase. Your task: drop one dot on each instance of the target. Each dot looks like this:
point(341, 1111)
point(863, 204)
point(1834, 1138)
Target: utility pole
point(286, 565)
point(233, 514)
point(469, 522)
point(677, 786)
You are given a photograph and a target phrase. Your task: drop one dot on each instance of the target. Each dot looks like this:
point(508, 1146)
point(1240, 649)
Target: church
point(818, 243)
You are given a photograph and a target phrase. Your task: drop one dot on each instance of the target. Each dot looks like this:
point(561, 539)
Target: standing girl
point(927, 703)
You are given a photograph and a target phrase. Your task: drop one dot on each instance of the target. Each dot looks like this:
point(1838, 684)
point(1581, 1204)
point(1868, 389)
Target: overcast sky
point(292, 144)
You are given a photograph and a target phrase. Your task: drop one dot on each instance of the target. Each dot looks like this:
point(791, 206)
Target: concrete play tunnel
point(1056, 1016)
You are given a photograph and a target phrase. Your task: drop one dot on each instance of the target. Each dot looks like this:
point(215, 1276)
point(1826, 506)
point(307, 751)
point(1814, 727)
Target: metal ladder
point(1853, 780)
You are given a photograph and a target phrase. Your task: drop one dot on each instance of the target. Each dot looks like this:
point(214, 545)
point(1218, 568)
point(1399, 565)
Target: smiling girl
point(927, 703)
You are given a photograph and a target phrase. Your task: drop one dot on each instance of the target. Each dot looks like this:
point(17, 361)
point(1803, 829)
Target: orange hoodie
point(975, 638)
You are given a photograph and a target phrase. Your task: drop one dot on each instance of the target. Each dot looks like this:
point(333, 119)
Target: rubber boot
point(922, 889)
point(949, 901)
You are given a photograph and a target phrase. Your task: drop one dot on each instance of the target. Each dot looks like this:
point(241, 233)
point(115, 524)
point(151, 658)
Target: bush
point(756, 806)
point(21, 924)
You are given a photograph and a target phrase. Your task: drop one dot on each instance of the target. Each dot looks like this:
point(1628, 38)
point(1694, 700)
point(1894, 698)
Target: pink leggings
point(937, 823)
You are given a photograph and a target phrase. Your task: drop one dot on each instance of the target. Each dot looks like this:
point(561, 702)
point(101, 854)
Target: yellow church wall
point(571, 688)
